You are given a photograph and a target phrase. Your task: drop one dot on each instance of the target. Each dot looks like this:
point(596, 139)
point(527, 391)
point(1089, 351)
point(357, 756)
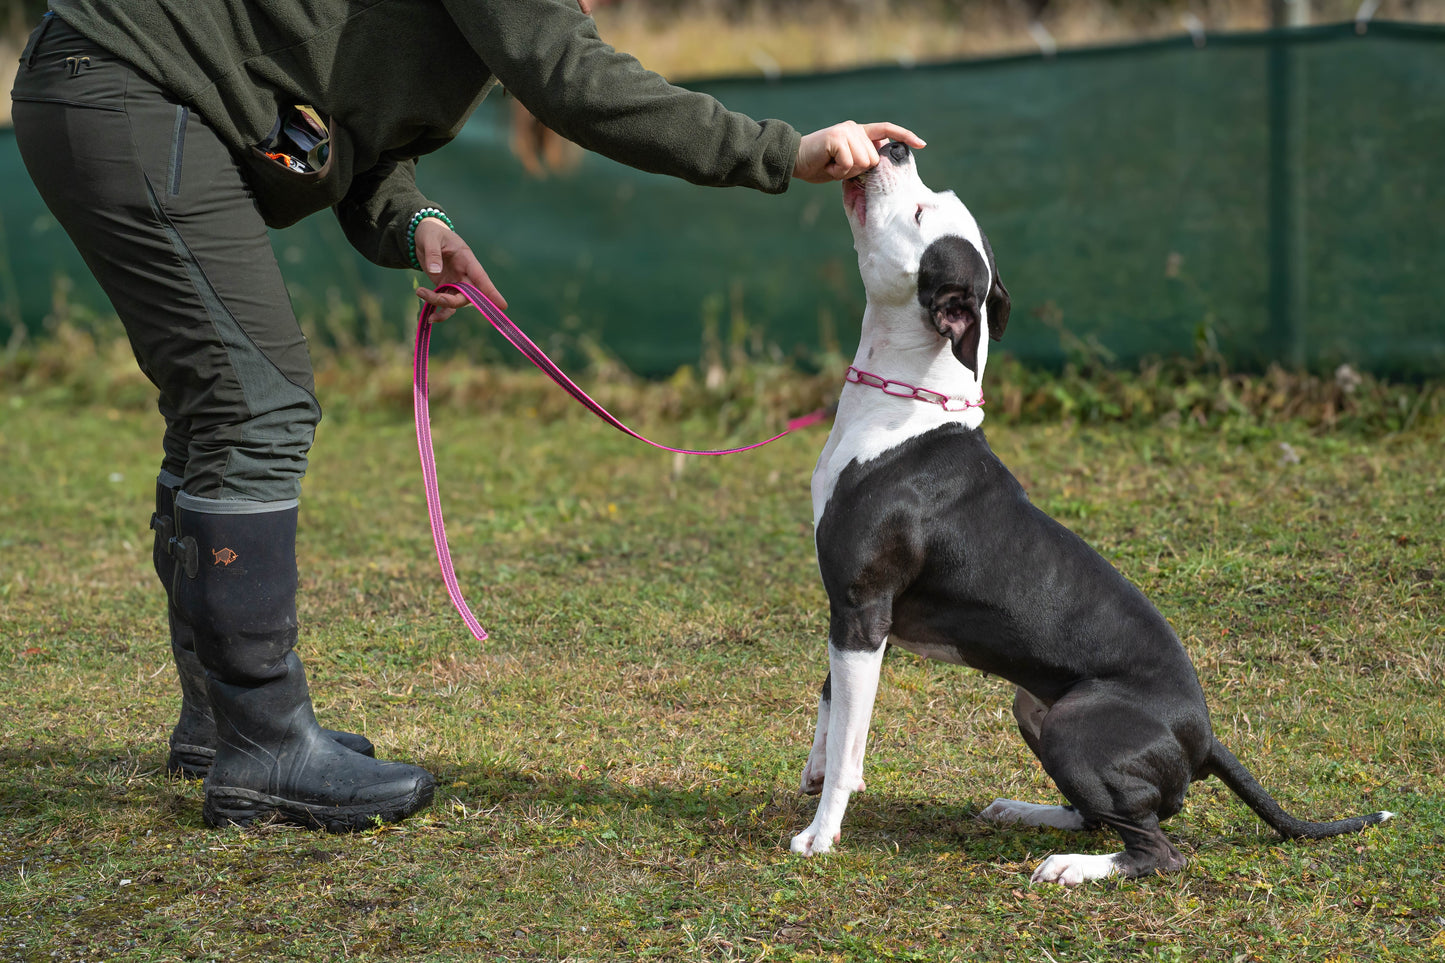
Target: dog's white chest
point(870, 423)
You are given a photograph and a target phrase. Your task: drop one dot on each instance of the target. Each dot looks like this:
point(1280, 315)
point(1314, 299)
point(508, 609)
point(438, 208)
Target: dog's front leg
point(845, 710)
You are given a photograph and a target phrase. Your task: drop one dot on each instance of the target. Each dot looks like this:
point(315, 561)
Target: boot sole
point(233, 806)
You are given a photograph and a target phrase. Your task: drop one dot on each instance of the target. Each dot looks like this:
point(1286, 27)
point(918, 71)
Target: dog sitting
point(927, 542)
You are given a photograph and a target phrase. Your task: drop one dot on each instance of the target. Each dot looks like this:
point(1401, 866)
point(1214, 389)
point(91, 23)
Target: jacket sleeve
point(549, 55)
point(377, 208)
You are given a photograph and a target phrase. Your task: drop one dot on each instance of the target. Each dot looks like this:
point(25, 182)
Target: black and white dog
point(927, 542)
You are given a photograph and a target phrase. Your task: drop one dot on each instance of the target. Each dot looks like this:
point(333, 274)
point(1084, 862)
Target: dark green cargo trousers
point(164, 220)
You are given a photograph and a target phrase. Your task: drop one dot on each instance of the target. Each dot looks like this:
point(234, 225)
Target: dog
point(927, 542)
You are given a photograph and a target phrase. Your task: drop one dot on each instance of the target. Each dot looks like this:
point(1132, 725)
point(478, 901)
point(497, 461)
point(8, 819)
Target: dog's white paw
point(1075, 868)
point(1011, 811)
point(811, 842)
point(812, 783)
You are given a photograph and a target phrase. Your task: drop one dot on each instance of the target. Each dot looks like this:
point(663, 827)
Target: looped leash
point(534, 354)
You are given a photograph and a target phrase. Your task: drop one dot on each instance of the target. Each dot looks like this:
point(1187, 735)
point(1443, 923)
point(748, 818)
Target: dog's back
point(977, 569)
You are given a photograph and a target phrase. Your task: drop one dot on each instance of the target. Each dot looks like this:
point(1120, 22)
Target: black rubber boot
point(274, 762)
point(193, 740)
point(236, 587)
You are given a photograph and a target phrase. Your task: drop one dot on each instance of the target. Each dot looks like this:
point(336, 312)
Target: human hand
point(846, 150)
point(447, 259)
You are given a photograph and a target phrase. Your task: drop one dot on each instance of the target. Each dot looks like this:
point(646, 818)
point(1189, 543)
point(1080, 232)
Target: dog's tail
point(1232, 773)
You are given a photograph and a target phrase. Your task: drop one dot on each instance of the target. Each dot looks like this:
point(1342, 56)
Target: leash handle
point(519, 340)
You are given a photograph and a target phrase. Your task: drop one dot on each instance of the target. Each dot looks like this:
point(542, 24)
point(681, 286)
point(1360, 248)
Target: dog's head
point(923, 247)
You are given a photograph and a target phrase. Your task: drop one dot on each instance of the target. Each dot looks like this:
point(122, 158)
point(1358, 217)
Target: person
point(166, 138)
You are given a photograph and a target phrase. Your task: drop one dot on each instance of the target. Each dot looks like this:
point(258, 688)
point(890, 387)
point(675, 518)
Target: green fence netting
point(1278, 195)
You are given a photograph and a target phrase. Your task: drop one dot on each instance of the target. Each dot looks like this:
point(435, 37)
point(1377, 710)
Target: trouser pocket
point(178, 150)
point(62, 66)
point(27, 56)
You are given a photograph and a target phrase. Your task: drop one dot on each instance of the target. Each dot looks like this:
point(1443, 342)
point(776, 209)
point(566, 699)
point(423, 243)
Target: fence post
point(1288, 186)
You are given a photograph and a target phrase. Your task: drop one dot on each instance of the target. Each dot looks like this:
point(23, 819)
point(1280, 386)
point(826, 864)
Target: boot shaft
point(235, 585)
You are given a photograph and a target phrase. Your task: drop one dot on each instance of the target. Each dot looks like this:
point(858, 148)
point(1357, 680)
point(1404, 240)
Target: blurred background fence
point(1265, 196)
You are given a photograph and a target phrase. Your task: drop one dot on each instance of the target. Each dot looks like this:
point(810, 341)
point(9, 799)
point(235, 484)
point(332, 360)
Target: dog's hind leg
point(1118, 766)
point(853, 681)
point(816, 767)
point(1005, 812)
point(1029, 712)
point(1146, 851)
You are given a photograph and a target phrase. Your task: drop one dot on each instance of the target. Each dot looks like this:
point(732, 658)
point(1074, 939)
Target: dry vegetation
point(809, 35)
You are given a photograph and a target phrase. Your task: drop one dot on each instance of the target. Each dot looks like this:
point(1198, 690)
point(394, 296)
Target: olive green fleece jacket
point(399, 78)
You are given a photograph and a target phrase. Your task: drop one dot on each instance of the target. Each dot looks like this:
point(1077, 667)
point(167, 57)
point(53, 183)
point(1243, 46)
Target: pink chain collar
point(858, 376)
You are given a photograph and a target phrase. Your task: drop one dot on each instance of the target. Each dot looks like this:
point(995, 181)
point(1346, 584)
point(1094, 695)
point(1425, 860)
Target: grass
point(618, 763)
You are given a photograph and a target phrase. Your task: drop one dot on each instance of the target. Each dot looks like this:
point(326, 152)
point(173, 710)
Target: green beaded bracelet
point(416, 219)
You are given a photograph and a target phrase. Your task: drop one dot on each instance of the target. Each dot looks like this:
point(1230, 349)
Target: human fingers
point(823, 153)
point(850, 151)
point(881, 132)
point(444, 305)
point(835, 153)
point(846, 150)
point(464, 266)
point(446, 258)
point(585, 6)
point(431, 241)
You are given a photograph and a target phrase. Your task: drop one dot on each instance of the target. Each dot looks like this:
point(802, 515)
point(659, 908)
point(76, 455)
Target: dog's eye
point(918, 215)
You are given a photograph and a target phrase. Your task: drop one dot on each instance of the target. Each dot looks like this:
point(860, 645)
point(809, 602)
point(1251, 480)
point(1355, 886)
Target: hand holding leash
point(446, 259)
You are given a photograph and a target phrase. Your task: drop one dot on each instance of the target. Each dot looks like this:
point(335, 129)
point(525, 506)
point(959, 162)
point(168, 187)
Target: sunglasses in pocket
point(299, 140)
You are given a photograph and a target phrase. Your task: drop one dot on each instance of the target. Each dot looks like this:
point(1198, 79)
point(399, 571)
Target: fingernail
point(434, 267)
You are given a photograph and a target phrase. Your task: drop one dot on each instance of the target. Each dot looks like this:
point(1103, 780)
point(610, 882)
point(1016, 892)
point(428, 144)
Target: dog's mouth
point(855, 197)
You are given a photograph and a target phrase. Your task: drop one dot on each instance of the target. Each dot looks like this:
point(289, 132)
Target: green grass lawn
point(618, 764)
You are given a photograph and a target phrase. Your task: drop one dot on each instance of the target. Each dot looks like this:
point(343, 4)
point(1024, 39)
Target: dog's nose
point(896, 151)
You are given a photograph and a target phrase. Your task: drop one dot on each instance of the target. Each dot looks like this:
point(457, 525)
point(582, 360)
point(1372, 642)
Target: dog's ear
point(998, 301)
point(954, 310)
point(950, 277)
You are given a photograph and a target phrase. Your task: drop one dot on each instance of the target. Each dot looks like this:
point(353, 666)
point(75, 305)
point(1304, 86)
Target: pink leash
point(534, 354)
